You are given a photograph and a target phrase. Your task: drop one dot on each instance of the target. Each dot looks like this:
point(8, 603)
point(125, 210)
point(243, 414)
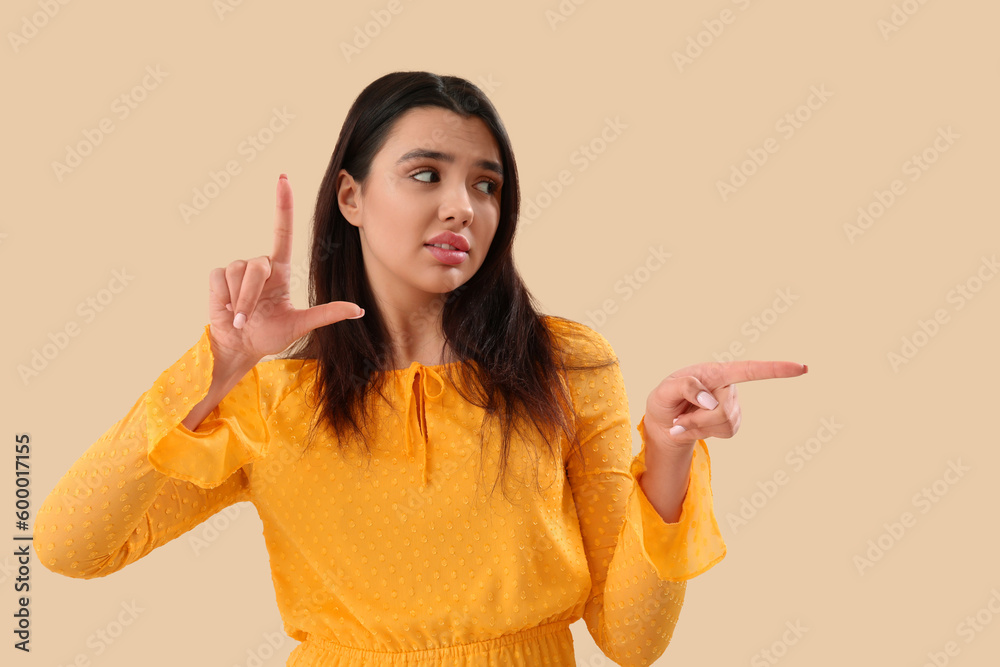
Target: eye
point(421, 173)
point(493, 186)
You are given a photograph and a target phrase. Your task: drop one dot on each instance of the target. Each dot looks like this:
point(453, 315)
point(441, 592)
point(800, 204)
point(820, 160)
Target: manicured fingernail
point(805, 368)
point(361, 314)
point(229, 307)
point(284, 176)
point(239, 320)
point(675, 419)
point(677, 430)
point(707, 401)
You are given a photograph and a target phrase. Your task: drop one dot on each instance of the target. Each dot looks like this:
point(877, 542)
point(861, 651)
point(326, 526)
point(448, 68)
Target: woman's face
point(436, 172)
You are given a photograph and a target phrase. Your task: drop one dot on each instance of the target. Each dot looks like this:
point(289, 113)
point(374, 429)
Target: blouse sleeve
point(639, 564)
point(149, 478)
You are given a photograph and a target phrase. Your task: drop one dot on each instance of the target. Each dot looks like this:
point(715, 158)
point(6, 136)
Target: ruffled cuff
point(233, 434)
point(682, 550)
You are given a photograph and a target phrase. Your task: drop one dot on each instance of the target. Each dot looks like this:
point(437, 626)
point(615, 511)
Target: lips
point(452, 239)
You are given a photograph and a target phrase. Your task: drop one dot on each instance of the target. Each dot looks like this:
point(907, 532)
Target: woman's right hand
point(265, 321)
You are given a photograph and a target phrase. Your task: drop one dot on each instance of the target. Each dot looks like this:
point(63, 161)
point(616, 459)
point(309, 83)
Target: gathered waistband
point(319, 652)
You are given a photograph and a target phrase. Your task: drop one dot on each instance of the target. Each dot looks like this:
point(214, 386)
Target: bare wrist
point(228, 367)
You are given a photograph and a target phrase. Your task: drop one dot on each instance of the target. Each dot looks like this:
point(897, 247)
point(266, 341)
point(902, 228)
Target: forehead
point(436, 128)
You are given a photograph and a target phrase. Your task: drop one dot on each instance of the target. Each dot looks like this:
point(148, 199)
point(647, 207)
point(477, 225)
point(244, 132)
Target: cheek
point(388, 220)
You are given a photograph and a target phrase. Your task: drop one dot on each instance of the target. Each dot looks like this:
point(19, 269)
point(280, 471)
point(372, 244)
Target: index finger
point(745, 371)
point(283, 223)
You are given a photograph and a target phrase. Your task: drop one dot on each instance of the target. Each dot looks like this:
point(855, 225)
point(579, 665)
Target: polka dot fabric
point(404, 558)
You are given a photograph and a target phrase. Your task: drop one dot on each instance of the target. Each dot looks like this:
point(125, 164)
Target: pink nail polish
point(707, 401)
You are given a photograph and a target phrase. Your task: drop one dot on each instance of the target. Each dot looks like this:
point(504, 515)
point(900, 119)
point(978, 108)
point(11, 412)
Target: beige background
point(655, 185)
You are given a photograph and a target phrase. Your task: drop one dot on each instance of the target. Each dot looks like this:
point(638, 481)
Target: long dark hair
point(491, 319)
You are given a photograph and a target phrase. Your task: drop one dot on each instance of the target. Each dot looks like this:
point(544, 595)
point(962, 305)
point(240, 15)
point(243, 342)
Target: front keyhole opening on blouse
point(420, 404)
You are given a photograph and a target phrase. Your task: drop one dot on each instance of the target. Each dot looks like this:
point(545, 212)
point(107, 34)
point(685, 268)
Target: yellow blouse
point(402, 559)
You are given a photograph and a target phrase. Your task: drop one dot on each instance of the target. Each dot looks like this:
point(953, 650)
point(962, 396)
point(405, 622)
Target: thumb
point(676, 396)
point(324, 314)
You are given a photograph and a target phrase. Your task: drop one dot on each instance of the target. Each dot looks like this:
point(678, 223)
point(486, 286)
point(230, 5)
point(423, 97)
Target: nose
point(456, 204)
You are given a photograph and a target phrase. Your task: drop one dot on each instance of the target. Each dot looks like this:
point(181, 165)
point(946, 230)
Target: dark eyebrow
point(418, 153)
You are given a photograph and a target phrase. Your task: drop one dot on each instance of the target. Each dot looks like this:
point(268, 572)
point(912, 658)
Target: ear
point(349, 197)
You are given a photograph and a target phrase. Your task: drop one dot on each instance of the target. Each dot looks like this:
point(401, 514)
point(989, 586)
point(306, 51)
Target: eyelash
point(493, 184)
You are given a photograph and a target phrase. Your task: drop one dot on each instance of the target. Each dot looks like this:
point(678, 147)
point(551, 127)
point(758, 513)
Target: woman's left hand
point(701, 399)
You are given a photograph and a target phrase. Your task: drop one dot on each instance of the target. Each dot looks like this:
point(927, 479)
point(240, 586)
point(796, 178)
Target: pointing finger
point(745, 371)
point(720, 374)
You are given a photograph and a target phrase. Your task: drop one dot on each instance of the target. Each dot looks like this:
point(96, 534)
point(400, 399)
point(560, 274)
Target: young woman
point(444, 475)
